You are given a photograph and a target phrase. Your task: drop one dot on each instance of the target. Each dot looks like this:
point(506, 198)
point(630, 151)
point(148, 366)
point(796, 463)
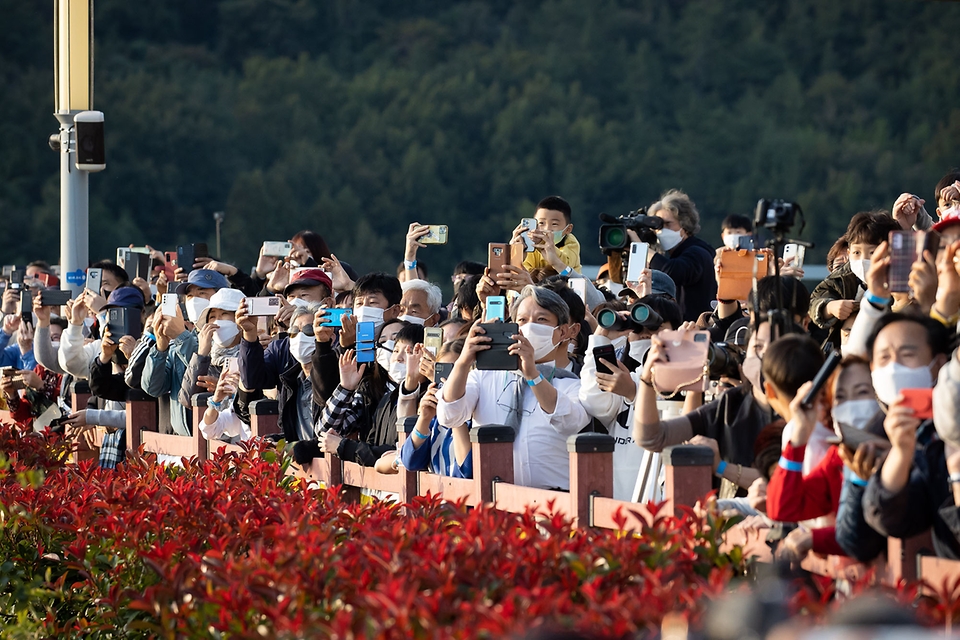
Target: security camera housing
point(91, 155)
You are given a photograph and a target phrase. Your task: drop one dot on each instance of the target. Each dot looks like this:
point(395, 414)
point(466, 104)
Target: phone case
point(496, 309)
point(335, 317)
point(263, 306)
point(441, 371)
point(736, 273)
point(433, 340)
point(530, 224)
point(366, 332)
point(686, 368)
point(123, 321)
point(54, 297)
point(920, 400)
point(366, 355)
point(94, 279)
point(638, 260)
point(903, 253)
point(496, 357)
point(26, 305)
point(604, 352)
point(437, 234)
point(498, 257)
point(853, 437)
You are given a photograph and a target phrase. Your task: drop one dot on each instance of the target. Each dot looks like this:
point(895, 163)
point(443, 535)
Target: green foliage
point(354, 118)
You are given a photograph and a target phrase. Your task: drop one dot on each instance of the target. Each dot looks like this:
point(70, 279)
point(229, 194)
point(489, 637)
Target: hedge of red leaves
point(237, 548)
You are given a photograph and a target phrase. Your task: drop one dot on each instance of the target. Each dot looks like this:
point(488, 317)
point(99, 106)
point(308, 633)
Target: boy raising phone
point(554, 225)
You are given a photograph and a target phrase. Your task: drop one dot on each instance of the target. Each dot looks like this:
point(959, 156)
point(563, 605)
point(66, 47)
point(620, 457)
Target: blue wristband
point(417, 433)
point(877, 300)
point(566, 271)
point(858, 481)
point(409, 264)
point(721, 468)
point(790, 465)
point(535, 381)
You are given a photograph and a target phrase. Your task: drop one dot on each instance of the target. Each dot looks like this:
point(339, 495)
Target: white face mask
point(412, 319)
point(619, 343)
point(890, 380)
point(732, 241)
point(855, 413)
point(397, 371)
point(669, 238)
point(558, 236)
point(369, 314)
point(55, 344)
point(383, 354)
point(302, 347)
point(102, 320)
point(752, 371)
point(860, 268)
point(540, 337)
point(195, 307)
point(226, 331)
point(639, 349)
point(299, 302)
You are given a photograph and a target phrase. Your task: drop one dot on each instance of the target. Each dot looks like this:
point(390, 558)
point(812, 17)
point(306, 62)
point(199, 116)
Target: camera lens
point(609, 319)
point(644, 317)
point(615, 237)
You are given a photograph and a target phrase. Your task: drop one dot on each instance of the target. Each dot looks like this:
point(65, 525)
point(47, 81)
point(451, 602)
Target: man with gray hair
point(421, 303)
point(540, 400)
point(684, 257)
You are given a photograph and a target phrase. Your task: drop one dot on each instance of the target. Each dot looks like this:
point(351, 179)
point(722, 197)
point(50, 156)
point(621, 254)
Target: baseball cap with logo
point(205, 279)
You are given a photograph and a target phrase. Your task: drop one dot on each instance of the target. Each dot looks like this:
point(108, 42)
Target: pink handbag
point(687, 368)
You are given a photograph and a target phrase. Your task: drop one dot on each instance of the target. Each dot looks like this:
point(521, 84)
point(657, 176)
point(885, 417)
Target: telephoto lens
point(610, 319)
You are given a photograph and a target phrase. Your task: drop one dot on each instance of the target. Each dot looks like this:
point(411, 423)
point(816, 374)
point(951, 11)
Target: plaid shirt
point(113, 449)
point(342, 412)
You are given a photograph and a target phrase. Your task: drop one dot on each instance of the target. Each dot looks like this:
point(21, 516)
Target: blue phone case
point(496, 309)
point(335, 317)
point(365, 332)
point(366, 355)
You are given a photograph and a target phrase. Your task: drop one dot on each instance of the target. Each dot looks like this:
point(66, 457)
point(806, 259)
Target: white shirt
point(74, 356)
point(540, 457)
point(226, 424)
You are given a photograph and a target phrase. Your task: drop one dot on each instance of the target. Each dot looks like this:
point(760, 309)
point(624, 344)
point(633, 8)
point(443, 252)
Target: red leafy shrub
point(235, 547)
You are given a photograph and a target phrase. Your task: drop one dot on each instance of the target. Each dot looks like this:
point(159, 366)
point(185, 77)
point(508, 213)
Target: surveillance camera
point(54, 141)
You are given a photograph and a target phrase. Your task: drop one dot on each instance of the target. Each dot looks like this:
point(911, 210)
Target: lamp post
point(73, 95)
point(218, 217)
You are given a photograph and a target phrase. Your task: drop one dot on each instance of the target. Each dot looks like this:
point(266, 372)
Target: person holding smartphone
point(218, 338)
point(540, 400)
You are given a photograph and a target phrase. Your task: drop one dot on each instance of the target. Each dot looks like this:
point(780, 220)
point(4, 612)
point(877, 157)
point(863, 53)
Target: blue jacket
point(163, 376)
point(10, 356)
point(437, 455)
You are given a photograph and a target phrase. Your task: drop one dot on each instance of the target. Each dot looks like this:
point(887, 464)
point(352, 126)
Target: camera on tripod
point(613, 233)
point(777, 215)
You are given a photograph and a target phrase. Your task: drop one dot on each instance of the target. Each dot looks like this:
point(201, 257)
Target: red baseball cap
point(950, 217)
point(309, 278)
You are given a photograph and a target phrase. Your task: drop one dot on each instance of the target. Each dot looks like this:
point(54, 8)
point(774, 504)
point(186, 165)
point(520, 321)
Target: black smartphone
point(54, 297)
point(441, 371)
point(496, 357)
point(602, 354)
point(124, 321)
point(16, 279)
point(26, 305)
point(187, 255)
point(831, 363)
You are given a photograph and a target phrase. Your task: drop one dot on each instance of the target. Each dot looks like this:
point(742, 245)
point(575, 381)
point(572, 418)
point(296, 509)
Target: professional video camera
point(640, 318)
point(724, 360)
point(613, 234)
point(777, 215)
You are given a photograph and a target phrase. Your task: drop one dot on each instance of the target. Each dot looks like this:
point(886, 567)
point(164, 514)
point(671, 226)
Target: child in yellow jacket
point(554, 224)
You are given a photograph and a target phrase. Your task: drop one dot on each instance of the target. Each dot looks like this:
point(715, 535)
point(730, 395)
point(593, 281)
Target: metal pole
point(218, 217)
point(74, 207)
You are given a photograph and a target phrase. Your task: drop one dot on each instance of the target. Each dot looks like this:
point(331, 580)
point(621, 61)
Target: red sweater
point(791, 497)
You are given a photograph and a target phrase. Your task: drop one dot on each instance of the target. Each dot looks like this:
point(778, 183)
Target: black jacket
point(378, 437)
point(690, 265)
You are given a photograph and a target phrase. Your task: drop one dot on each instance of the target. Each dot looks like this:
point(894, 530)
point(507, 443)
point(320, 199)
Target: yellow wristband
point(947, 322)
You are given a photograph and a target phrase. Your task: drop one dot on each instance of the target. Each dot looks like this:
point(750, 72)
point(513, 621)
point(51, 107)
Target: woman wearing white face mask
point(540, 400)
point(687, 259)
point(218, 338)
point(793, 496)
point(609, 397)
point(366, 405)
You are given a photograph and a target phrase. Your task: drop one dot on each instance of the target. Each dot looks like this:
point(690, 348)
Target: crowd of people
point(534, 344)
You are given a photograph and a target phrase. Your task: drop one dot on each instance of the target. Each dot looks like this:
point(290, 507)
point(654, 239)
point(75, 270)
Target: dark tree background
point(355, 117)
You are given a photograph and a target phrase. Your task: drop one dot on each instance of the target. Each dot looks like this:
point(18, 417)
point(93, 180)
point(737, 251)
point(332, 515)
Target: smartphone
point(433, 340)
point(26, 305)
point(54, 297)
point(124, 321)
point(441, 372)
point(366, 355)
point(334, 317)
point(16, 278)
point(232, 365)
point(906, 247)
point(187, 255)
point(168, 305)
point(637, 261)
point(277, 249)
point(261, 306)
point(14, 375)
point(171, 257)
point(579, 286)
point(366, 334)
point(7, 270)
point(530, 224)
point(498, 258)
point(602, 354)
point(853, 437)
point(137, 265)
point(46, 279)
point(436, 235)
point(746, 243)
point(795, 251)
point(496, 309)
point(920, 400)
point(826, 370)
point(94, 280)
point(496, 357)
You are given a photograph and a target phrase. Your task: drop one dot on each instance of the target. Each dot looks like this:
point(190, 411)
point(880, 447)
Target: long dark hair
point(314, 243)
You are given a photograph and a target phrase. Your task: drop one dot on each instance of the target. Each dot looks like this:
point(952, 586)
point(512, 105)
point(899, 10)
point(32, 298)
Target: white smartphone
point(233, 365)
point(531, 225)
point(795, 251)
point(277, 249)
point(638, 260)
point(168, 305)
point(263, 306)
point(579, 285)
point(94, 280)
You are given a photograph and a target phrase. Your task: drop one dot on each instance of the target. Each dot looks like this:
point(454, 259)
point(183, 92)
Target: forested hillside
point(354, 117)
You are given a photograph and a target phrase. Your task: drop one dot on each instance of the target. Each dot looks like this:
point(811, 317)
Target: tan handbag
point(687, 368)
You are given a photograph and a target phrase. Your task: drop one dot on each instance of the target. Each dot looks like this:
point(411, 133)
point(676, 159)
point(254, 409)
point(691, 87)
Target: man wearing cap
point(218, 338)
point(74, 356)
point(175, 345)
